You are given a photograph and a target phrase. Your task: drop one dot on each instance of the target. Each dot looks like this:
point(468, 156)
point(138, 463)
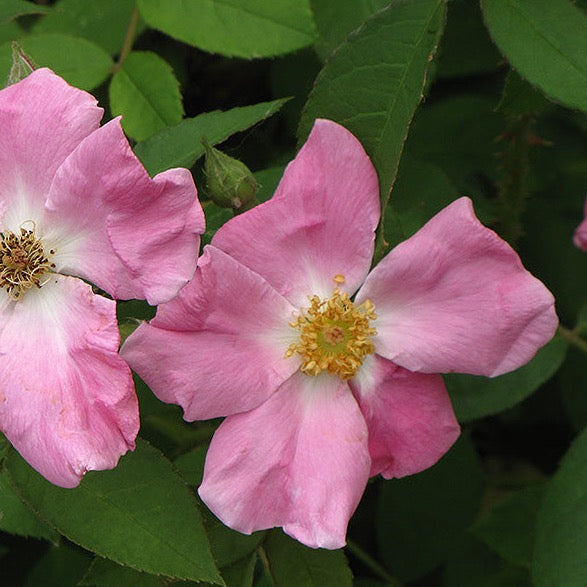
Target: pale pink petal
point(299, 461)
point(219, 347)
point(455, 297)
point(43, 119)
point(580, 236)
point(320, 222)
point(67, 401)
point(133, 236)
point(409, 416)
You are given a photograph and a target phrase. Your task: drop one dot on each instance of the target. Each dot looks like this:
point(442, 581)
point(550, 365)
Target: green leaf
point(421, 190)
point(9, 31)
point(104, 22)
point(181, 145)
point(140, 514)
point(228, 546)
point(374, 81)
point(444, 131)
point(474, 565)
point(11, 9)
point(17, 518)
point(546, 42)
point(548, 247)
point(215, 218)
point(509, 528)
point(475, 397)
point(146, 93)
point(573, 378)
point(520, 98)
point(241, 573)
point(105, 573)
point(335, 19)
point(60, 566)
point(82, 63)
point(560, 556)
point(466, 46)
point(239, 28)
point(421, 518)
point(294, 565)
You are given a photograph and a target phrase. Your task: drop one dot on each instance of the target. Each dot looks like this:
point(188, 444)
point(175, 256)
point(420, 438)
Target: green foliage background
point(449, 98)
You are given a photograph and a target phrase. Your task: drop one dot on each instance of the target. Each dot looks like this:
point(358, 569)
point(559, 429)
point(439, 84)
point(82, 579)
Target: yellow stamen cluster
point(335, 335)
point(23, 262)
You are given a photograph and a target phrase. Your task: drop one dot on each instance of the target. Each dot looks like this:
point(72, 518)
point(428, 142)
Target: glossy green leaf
point(105, 573)
point(104, 22)
point(11, 9)
point(181, 145)
point(421, 518)
point(140, 514)
point(17, 518)
point(546, 42)
point(335, 19)
point(509, 528)
point(560, 556)
point(294, 565)
point(80, 62)
point(374, 82)
point(239, 28)
point(146, 93)
point(475, 397)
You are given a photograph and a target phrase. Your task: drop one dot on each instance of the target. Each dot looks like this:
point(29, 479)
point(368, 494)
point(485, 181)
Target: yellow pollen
point(335, 335)
point(23, 262)
point(338, 279)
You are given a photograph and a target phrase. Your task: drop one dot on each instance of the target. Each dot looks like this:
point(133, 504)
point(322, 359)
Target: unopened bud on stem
point(230, 182)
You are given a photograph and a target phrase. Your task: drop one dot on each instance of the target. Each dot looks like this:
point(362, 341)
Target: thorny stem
point(512, 189)
point(371, 563)
point(129, 37)
point(573, 337)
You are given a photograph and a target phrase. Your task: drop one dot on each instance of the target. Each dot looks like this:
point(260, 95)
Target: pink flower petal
point(299, 461)
point(67, 401)
point(409, 415)
point(580, 236)
point(43, 119)
point(131, 235)
point(320, 222)
point(455, 297)
point(219, 347)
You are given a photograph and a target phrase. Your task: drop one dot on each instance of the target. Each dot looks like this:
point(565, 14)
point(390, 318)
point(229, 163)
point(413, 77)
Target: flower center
point(335, 335)
point(23, 262)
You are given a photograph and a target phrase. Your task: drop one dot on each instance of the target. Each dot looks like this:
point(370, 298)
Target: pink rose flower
point(327, 372)
point(580, 237)
point(76, 203)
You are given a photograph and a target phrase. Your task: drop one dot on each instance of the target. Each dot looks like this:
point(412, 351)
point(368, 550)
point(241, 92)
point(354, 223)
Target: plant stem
point(573, 337)
point(512, 188)
point(371, 563)
point(129, 38)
